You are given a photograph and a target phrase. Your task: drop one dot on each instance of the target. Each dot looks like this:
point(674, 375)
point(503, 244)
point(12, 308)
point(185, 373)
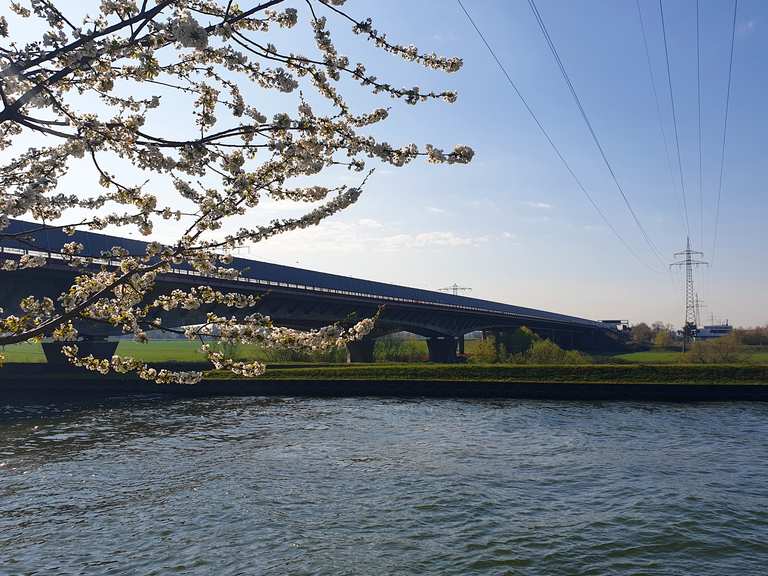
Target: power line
point(551, 142)
point(725, 132)
point(567, 79)
point(698, 99)
point(656, 98)
point(674, 119)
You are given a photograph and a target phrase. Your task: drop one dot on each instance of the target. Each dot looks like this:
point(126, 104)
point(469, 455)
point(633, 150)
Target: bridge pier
point(100, 348)
point(442, 349)
point(360, 350)
point(461, 344)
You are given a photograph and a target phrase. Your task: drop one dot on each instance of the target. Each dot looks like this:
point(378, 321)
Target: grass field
point(186, 351)
point(26, 352)
point(649, 357)
point(156, 351)
point(177, 351)
point(756, 356)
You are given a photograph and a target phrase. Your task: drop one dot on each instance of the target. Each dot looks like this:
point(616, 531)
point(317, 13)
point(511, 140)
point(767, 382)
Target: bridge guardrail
point(264, 282)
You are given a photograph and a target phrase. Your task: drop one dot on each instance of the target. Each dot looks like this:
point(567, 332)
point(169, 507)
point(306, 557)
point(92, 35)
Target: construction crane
point(455, 289)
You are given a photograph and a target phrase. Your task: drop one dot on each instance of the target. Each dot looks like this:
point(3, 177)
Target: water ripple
point(256, 486)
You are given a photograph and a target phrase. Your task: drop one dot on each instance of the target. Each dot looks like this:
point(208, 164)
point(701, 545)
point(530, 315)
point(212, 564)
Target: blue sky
point(513, 225)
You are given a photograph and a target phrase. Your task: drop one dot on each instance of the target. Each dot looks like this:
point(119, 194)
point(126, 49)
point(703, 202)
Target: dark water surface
point(364, 486)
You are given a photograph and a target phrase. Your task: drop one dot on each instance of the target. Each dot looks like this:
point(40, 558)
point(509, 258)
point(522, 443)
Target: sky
point(513, 225)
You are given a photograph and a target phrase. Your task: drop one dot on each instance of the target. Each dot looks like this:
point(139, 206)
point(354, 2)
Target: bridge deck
point(268, 275)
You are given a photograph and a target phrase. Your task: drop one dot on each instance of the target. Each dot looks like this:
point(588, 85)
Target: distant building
point(714, 331)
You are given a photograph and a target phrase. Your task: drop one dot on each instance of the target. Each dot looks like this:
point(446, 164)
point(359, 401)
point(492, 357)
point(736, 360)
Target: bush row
point(661, 374)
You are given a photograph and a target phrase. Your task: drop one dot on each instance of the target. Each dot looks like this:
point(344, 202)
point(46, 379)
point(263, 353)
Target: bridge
point(298, 298)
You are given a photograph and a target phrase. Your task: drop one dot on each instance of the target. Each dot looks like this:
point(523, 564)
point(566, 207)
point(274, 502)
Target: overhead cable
point(656, 98)
point(585, 117)
point(554, 146)
point(674, 119)
point(725, 134)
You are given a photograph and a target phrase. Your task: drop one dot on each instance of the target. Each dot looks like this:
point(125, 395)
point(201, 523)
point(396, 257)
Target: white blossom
point(211, 60)
point(188, 32)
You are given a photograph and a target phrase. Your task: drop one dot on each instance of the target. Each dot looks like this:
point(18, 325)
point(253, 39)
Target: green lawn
point(754, 356)
point(156, 351)
point(174, 351)
point(26, 352)
point(162, 351)
point(186, 351)
point(649, 357)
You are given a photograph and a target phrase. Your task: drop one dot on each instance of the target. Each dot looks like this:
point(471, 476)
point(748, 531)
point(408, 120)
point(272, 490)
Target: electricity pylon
point(699, 306)
point(455, 289)
point(690, 259)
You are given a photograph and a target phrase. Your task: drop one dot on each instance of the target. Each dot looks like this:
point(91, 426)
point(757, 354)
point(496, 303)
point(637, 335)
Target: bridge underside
point(444, 328)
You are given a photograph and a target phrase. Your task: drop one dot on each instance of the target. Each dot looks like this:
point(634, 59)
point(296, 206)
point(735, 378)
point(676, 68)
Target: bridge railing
point(309, 288)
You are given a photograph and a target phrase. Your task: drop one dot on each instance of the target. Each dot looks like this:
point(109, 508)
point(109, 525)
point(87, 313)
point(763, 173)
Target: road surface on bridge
point(302, 298)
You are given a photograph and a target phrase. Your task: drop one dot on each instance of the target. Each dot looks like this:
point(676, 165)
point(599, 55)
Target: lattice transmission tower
point(699, 305)
point(455, 289)
point(689, 259)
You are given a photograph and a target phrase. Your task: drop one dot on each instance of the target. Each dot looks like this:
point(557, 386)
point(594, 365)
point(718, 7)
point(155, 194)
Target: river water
point(247, 486)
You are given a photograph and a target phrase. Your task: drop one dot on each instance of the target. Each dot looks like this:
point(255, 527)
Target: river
point(231, 486)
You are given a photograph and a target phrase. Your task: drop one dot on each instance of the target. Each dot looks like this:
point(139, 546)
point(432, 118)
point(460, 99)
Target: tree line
point(662, 335)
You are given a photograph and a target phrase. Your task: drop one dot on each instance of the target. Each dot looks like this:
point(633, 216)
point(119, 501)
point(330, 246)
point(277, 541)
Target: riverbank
point(584, 382)
point(584, 373)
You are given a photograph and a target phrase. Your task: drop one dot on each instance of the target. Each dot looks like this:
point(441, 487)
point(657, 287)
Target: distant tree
point(663, 338)
point(642, 334)
point(94, 91)
point(520, 340)
point(757, 336)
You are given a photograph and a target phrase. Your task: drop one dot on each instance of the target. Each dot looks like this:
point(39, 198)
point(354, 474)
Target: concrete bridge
point(300, 298)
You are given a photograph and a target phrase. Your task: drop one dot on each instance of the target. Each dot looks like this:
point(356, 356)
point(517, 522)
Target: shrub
point(231, 349)
point(722, 350)
point(286, 355)
point(663, 339)
point(484, 351)
point(576, 357)
point(547, 352)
